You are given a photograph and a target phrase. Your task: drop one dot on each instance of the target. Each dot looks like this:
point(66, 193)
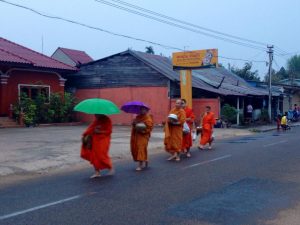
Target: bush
point(229, 113)
point(69, 102)
point(29, 115)
point(43, 113)
point(62, 107)
point(28, 107)
point(40, 111)
point(57, 106)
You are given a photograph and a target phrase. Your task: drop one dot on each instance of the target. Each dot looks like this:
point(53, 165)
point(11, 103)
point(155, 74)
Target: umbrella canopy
point(134, 107)
point(97, 106)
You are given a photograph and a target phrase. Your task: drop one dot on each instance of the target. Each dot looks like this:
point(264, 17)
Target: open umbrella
point(134, 107)
point(97, 106)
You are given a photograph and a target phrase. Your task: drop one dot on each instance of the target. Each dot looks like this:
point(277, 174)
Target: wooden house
point(133, 75)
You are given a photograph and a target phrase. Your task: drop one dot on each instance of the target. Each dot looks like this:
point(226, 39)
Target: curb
point(45, 125)
point(270, 129)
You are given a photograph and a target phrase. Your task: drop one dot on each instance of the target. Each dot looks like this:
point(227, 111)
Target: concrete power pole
point(270, 52)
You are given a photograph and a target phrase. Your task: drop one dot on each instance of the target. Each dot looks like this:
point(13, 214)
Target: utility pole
point(270, 52)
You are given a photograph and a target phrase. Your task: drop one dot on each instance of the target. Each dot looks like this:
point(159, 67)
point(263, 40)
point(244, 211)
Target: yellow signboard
point(195, 59)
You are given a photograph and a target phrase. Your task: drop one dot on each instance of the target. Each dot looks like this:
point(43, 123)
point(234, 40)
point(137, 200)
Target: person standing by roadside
point(173, 131)
point(208, 122)
point(96, 143)
point(284, 123)
point(296, 113)
point(249, 111)
point(187, 140)
point(142, 126)
point(278, 121)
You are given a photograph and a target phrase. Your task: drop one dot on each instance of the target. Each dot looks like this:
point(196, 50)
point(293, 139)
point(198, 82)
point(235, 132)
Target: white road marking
point(276, 143)
point(42, 206)
point(207, 161)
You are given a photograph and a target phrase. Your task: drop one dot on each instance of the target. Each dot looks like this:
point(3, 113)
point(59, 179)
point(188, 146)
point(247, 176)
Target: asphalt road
point(246, 180)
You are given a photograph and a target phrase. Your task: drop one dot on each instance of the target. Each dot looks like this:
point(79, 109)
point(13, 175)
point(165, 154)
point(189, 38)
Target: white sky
point(268, 21)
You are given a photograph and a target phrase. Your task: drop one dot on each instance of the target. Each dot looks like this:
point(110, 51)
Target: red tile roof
point(12, 52)
point(79, 57)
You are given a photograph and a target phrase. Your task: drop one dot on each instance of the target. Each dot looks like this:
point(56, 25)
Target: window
point(32, 91)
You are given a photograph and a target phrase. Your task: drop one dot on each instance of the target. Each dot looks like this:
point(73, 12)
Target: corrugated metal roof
point(9, 57)
point(11, 52)
point(79, 57)
point(209, 79)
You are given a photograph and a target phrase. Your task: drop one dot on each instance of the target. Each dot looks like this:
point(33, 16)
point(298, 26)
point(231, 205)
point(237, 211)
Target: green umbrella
point(97, 106)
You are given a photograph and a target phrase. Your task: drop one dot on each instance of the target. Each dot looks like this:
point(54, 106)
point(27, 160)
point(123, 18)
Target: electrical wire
point(180, 26)
point(245, 60)
point(282, 52)
point(91, 27)
point(276, 64)
point(186, 23)
point(112, 33)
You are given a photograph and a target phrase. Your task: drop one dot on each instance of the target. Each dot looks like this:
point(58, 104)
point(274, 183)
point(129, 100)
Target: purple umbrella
point(134, 107)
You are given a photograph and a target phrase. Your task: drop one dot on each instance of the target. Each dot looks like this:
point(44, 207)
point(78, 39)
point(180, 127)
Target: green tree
point(277, 76)
point(229, 113)
point(283, 73)
point(246, 72)
point(293, 66)
point(149, 49)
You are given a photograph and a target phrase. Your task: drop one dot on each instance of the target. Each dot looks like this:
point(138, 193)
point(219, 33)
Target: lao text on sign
point(195, 59)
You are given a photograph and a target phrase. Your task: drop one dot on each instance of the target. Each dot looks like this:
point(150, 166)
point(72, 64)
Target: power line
point(276, 64)
point(112, 33)
point(291, 53)
point(192, 25)
point(180, 26)
point(91, 27)
point(245, 60)
point(186, 23)
point(283, 52)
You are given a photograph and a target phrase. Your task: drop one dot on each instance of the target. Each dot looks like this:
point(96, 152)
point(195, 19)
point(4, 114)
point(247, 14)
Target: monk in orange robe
point(140, 134)
point(208, 122)
point(187, 141)
point(96, 142)
point(173, 131)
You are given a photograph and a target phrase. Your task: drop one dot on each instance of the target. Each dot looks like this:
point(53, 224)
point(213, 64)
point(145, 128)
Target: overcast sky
point(268, 21)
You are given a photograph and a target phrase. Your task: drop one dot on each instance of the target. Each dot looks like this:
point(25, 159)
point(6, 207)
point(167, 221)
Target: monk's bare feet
point(140, 166)
point(95, 175)
point(188, 155)
point(138, 169)
point(200, 147)
point(145, 165)
point(171, 157)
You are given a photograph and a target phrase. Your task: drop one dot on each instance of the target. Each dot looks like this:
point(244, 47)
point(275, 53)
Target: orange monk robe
point(139, 139)
point(208, 123)
point(98, 155)
point(187, 140)
point(173, 133)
